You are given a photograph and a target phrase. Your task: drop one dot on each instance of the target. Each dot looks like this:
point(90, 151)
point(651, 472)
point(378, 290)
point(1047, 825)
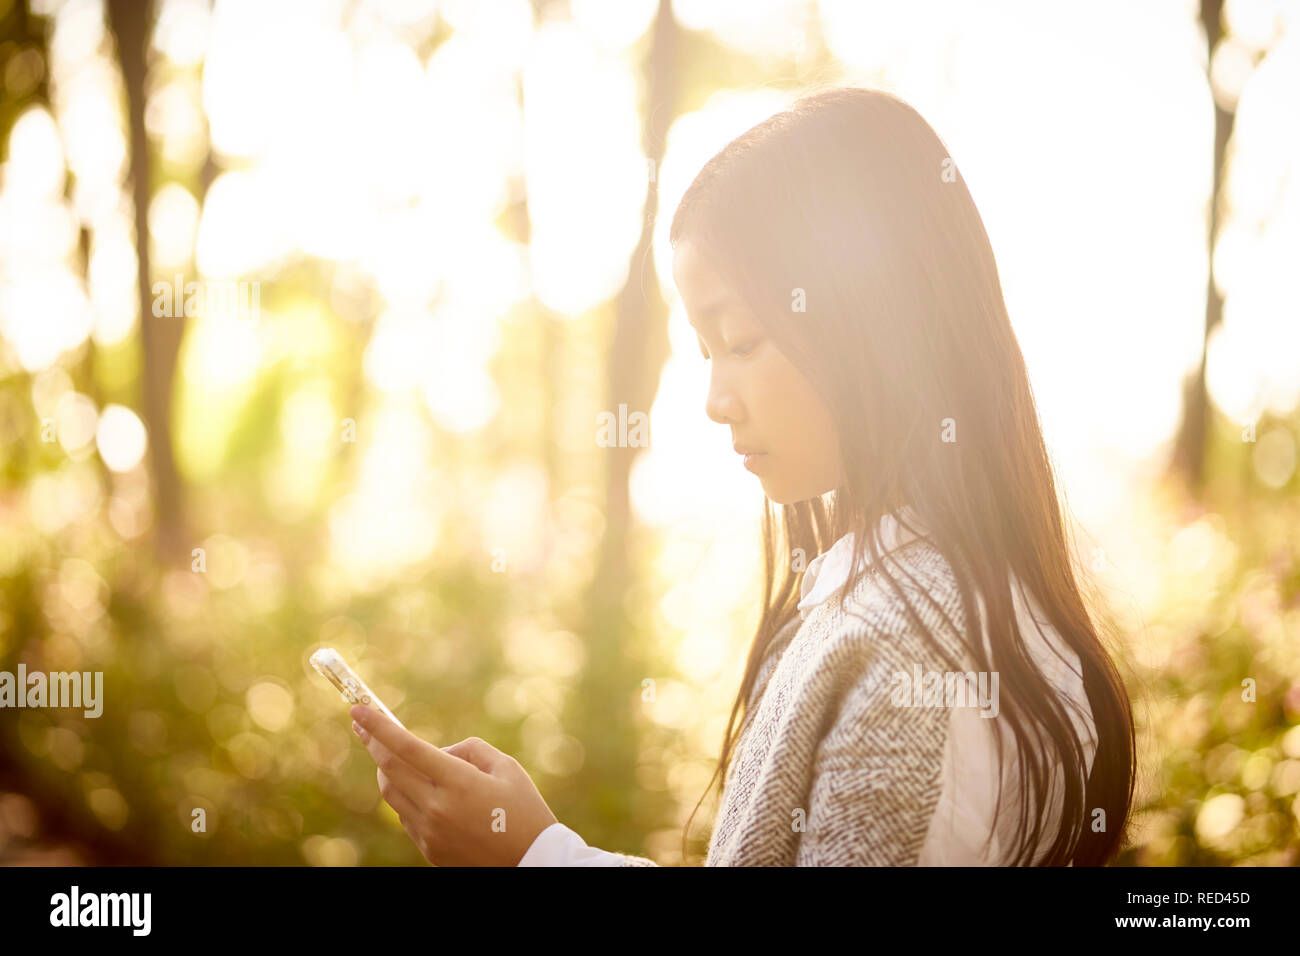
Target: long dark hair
point(849, 204)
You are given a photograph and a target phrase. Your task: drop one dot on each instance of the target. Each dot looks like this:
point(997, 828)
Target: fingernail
point(356, 728)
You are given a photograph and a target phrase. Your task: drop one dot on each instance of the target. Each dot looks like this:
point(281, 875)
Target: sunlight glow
point(584, 169)
point(120, 437)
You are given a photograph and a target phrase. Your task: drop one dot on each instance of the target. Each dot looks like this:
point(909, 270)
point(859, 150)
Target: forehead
point(703, 291)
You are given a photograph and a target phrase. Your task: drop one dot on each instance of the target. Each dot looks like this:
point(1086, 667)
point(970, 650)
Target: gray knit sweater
point(828, 772)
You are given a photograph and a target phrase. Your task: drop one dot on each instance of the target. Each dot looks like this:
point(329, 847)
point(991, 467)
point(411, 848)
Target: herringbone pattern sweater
point(828, 771)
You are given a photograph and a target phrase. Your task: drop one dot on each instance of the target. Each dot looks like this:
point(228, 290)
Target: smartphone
point(335, 669)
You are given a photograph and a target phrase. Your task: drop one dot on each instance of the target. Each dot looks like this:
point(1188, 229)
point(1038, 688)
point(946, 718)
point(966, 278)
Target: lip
point(754, 459)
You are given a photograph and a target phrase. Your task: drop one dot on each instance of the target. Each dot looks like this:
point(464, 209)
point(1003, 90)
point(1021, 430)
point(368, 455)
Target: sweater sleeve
point(557, 845)
point(877, 778)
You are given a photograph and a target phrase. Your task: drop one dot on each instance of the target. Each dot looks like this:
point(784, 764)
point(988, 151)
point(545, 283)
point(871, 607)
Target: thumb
point(476, 751)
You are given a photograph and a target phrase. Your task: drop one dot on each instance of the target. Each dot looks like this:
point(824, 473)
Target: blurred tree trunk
point(1189, 454)
point(160, 336)
point(64, 835)
point(608, 695)
point(640, 344)
point(24, 34)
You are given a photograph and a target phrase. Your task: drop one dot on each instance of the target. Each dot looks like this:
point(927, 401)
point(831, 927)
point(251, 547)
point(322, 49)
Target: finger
point(401, 775)
point(397, 799)
point(415, 822)
point(476, 751)
point(441, 768)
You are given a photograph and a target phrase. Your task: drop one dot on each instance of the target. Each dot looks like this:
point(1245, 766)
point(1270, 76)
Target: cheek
point(792, 404)
point(802, 422)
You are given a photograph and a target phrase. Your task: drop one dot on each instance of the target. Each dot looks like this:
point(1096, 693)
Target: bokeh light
point(419, 238)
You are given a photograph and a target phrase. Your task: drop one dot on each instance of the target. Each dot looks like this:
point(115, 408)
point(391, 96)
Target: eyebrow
point(708, 315)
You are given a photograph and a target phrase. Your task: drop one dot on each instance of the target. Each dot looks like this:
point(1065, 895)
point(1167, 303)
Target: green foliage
point(1220, 782)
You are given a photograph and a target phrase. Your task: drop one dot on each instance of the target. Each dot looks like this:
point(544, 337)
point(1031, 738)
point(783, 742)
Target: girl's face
point(769, 405)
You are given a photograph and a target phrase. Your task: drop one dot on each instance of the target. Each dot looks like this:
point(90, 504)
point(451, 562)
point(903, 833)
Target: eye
point(745, 349)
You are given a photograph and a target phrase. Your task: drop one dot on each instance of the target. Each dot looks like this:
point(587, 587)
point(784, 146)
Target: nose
point(722, 405)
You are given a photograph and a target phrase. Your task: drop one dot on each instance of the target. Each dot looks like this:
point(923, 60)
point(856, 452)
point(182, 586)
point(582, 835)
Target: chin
point(784, 496)
point(780, 496)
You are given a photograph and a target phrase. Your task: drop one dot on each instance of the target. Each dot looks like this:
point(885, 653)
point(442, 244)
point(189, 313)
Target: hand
point(464, 805)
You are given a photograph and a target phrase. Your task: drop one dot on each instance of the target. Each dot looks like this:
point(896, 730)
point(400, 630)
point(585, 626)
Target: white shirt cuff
point(557, 845)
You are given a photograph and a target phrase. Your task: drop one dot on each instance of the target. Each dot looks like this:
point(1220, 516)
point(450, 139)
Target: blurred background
point(438, 234)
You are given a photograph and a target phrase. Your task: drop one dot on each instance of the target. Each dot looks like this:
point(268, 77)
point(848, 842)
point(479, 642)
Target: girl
point(930, 688)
